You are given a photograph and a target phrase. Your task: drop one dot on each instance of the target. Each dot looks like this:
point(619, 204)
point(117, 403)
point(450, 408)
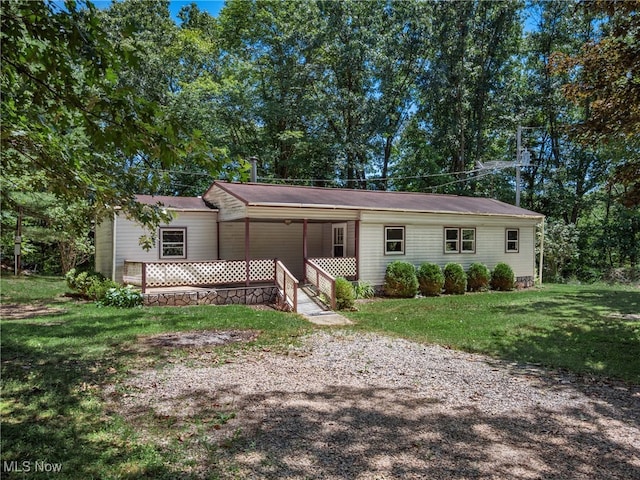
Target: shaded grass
point(586, 329)
point(54, 367)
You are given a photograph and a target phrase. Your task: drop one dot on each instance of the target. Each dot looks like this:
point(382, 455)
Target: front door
point(339, 240)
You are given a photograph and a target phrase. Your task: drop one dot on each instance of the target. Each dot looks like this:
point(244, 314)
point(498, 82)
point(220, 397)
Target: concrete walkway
point(318, 314)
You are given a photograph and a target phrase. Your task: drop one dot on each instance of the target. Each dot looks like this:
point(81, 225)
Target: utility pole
point(518, 157)
point(523, 158)
point(17, 244)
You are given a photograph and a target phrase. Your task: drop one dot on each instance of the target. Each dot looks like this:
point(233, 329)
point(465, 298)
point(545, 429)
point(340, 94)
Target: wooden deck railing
point(219, 272)
point(322, 280)
point(287, 285)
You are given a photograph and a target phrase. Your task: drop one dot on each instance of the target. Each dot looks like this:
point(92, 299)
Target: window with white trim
point(459, 240)
point(394, 240)
point(339, 240)
point(173, 243)
point(512, 240)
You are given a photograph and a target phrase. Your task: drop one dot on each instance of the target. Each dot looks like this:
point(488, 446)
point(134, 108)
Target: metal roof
point(173, 203)
point(262, 194)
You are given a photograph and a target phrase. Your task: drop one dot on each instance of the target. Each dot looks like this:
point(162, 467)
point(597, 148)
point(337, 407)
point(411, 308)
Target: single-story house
point(352, 233)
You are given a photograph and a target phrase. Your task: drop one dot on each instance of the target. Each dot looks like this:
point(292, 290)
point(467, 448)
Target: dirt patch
point(199, 339)
point(628, 317)
point(20, 311)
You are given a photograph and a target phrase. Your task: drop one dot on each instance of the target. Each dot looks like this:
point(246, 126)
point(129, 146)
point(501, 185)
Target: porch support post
point(305, 252)
point(218, 240)
point(247, 250)
point(357, 248)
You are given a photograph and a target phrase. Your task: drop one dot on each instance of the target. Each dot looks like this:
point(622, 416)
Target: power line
point(374, 179)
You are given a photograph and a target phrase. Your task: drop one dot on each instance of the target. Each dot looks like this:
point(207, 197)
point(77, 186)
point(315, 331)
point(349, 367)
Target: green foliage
point(502, 277)
point(478, 277)
point(560, 246)
point(345, 294)
point(400, 280)
point(430, 279)
point(55, 233)
point(364, 290)
point(122, 297)
point(70, 121)
point(91, 285)
point(455, 280)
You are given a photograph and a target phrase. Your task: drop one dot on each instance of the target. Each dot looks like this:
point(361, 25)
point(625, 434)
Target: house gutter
point(377, 209)
point(173, 209)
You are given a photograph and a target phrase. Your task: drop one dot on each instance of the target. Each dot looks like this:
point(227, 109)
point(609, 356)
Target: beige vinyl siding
point(201, 239)
point(272, 240)
point(424, 241)
point(104, 247)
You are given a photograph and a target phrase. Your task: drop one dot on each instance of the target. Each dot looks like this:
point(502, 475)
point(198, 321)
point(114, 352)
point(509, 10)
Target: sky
point(211, 6)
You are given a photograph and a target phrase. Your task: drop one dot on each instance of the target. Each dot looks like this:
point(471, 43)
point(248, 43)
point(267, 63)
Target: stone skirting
point(222, 296)
point(525, 282)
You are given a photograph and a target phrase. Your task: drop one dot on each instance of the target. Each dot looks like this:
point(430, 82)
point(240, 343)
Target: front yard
point(60, 356)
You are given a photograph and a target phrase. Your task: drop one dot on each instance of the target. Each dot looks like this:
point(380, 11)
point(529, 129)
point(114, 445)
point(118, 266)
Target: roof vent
point(254, 169)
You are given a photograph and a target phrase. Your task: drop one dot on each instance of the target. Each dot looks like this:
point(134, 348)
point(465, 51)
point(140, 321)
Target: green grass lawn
point(53, 365)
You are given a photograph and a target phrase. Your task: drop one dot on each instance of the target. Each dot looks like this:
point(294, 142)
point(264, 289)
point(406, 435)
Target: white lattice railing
point(287, 286)
point(132, 273)
point(337, 266)
point(175, 274)
point(321, 279)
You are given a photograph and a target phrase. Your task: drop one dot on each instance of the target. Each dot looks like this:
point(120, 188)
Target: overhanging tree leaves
point(607, 85)
point(66, 114)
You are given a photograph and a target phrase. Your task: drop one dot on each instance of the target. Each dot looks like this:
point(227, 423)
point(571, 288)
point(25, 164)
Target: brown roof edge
point(174, 202)
point(270, 195)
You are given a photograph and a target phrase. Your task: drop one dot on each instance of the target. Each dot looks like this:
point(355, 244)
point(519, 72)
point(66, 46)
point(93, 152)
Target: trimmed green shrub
point(120, 296)
point(478, 277)
point(455, 280)
point(364, 290)
point(345, 294)
point(430, 279)
point(400, 280)
point(502, 277)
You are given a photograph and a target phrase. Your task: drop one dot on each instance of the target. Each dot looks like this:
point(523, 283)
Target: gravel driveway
point(361, 406)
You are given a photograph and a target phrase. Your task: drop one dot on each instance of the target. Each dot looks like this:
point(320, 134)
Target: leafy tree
point(466, 88)
point(55, 233)
point(605, 83)
point(67, 116)
point(174, 63)
point(560, 246)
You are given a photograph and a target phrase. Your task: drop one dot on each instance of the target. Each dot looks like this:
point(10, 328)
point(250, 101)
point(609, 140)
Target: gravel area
point(361, 406)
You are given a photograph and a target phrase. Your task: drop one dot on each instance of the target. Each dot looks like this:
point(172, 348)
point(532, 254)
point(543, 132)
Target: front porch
point(223, 282)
